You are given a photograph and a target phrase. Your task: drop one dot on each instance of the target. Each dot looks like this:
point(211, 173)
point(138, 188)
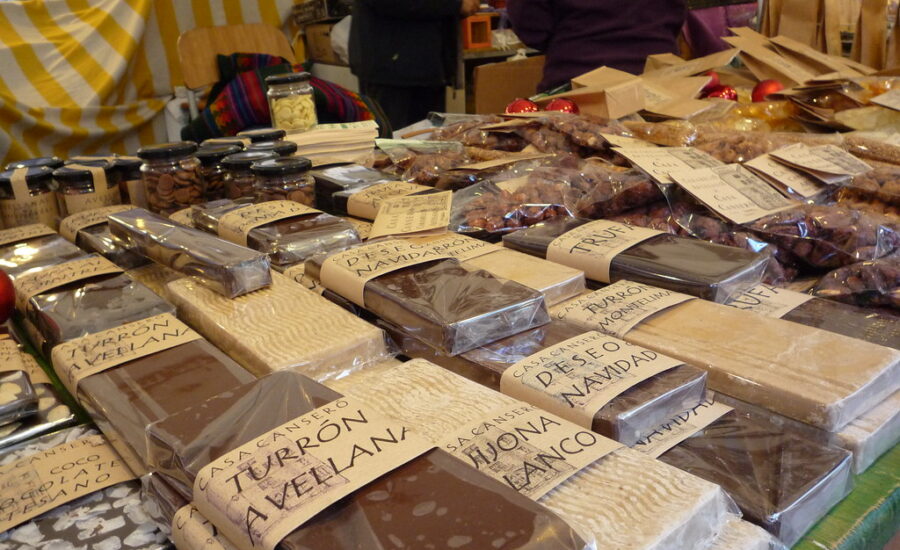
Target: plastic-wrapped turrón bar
point(228, 268)
point(18, 399)
point(98, 238)
point(52, 414)
point(32, 254)
point(341, 178)
point(394, 511)
point(699, 268)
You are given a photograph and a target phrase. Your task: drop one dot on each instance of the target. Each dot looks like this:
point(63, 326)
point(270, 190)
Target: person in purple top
point(580, 35)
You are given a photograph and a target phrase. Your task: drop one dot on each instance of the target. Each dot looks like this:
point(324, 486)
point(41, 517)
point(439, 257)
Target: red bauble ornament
point(762, 90)
point(562, 105)
point(713, 83)
point(7, 297)
point(724, 92)
point(521, 105)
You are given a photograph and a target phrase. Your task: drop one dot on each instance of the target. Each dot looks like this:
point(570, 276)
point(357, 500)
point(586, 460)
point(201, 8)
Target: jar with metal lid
point(27, 196)
point(239, 142)
point(284, 178)
point(262, 134)
point(282, 148)
point(131, 185)
point(211, 169)
point(171, 175)
point(239, 180)
point(86, 185)
point(50, 162)
point(291, 102)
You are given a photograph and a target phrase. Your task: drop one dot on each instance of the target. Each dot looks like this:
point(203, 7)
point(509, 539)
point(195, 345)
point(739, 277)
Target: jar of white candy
point(291, 102)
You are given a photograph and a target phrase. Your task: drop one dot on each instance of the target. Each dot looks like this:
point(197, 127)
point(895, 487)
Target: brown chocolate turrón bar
point(706, 270)
point(387, 513)
point(447, 306)
point(625, 418)
point(33, 254)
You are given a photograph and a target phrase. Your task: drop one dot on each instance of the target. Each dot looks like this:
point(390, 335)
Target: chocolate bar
point(99, 239)
point(342, 178)
point(230, 269)
point(34, 254)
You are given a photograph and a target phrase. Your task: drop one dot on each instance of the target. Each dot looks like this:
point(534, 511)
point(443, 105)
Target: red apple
point(714, 81)
point(7, 297)
point(724, 92)
point(521, 105)
point(562, 105)
point(762, 90)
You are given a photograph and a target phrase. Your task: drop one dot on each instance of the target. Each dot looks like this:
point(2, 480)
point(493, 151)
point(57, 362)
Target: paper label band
point(461, 247)
point(530, 450)
point(260, 492)
point(298, 274)
point(769, 301)
point(784, 177)
point(365, 203)
point(593, 246)
point(237, 224)
point(25, 232)
point(10, 356)
point(32, 284)
point(348, 272)
point(48, 479)
point(192, 531)
point(185, 216)
point(413, 214)
point(71, 225)
point(828, 163)
point(680, 427)
point(617, 308)
point(24, 208)
point(103, 194)
point(77, 359)
point(576, 378)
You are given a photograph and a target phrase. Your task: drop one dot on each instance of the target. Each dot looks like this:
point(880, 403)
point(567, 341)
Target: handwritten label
point(365, 203)
point(680, 427)
point(785, 179)
point(828, 163)
point(237, 224)
point(891, 99)
point(48, 479)
point(102, 194)
point(50, 277)
point(265, 489)
point(192, 531)
point(528, 449)
point(10, 356)
point(593, 246)
point(25, 208)
point(769, 301)
point(77, 359)
point(18, 234)
point(71, 225)
point(348, 272)
point(617, 308)
point(297, 273)
point(576, 378)
point(658, 162)
point(411, 214)
point(733, 192)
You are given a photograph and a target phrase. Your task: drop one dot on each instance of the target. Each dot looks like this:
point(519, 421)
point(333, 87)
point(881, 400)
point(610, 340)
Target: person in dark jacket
point(581, 35)
point(404, 53)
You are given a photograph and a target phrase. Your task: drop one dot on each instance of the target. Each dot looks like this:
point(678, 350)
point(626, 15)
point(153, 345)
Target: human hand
point(468, 7)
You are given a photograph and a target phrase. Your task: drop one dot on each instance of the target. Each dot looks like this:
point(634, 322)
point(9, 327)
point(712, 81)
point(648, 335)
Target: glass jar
point(262, 134)
point(212, 171)
point(284, 178)
point(131, 186)
point(86, 185)
point(239, 180)
point(171, 175)
point(50, 162)
point(282, 148)
point(291, 102)
point(27, 196)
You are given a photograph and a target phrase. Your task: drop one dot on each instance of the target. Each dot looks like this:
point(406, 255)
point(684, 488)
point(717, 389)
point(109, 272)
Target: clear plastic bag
point(471, 134)
point(481, 511)
point(282, 327)
point(286, 241)
point(35, 254)
point(106, 518)
point(18, 398)
point(850, 198)
point(229, 269)
point(738, 534)
point(872, 149)
point(672, 133)
point(694, 267)
point(881, 184)
point(865, 284)
point(613, 191)
point(450, 307)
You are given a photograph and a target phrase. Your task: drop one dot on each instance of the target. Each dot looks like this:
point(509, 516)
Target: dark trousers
point(405, 105)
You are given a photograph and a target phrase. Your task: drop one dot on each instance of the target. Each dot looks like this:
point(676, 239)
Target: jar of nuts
point(285, 178)
point(282, 148)
point(262, 134)
point(171, 175)
point(26, 197)
point(291, 102)
point(212, 171)
point(239, 180)
point(87, 184)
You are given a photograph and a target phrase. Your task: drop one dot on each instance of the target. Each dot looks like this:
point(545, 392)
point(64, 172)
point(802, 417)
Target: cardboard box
point(318, 44)
point(496, 84)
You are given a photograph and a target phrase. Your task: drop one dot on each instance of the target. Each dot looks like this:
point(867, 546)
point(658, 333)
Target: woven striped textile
point(87, 76)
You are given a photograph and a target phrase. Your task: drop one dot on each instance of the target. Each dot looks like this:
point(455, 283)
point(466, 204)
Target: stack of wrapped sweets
point(31, 247)
point(99, 509)
point(228, 268)
point(90, 231)
point(404, 493)
point(334, 179)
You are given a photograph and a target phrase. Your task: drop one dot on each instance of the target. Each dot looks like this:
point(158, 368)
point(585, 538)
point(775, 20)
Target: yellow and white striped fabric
point(88, 76)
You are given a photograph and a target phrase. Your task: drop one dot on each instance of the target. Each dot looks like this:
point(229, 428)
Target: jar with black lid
point(50, 162)
point(171, 176)
point(27, 196)
point(291, 102)
point(239, 180)
point(263, 134)
point(282, 148)
point(284, 178)
point(86, 185)
point(211, 168)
